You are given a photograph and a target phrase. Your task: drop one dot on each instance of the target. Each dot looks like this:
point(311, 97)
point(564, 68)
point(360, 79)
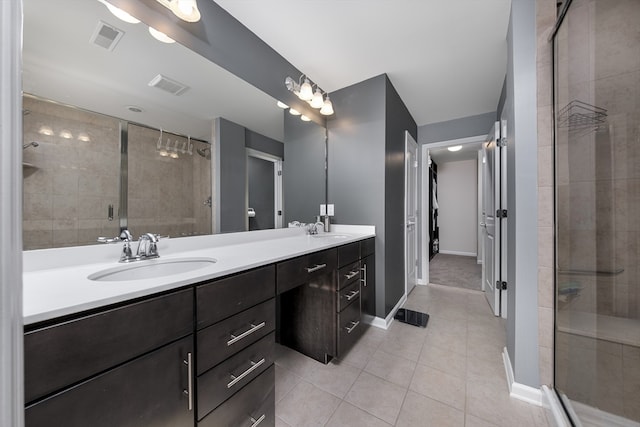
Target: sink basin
point(140, 270)
point(330, 236)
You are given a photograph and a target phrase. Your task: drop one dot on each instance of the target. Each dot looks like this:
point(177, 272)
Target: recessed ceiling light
point(455, 148)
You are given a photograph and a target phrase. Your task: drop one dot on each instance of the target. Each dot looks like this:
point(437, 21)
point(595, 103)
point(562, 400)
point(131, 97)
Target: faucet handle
point(126, 236)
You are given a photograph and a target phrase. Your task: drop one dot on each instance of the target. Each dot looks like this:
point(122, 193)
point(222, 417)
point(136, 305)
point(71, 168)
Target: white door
point(491, 256)
point(411, 212)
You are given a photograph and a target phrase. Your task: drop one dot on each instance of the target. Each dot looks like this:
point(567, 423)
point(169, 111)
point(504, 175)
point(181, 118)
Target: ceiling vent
point(106, 36)
point(168, 85)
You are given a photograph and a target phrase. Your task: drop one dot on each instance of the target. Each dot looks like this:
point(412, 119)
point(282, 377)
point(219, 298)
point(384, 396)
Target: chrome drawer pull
point(349, 330)
point(316, 268)
point(258, 421)
point(351, 274)
point(234, 339)
point(253, 367)
point(352, 295)
point(364, 270)
point(189, 391)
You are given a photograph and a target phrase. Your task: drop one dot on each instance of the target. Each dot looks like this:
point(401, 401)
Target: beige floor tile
point(360, 354)
point(487, 370)
point(306, 405)
point(473, 421)
point(418, 410)
point(391, 368)
point(405, 346)
point(377, 397)
point(335, 377)
point(349, 415)
point(280, 423)
point(295, 362)
point(444, 360)
point(440, 386)
point(285, 381)
point(451, 343)
point(490, 402)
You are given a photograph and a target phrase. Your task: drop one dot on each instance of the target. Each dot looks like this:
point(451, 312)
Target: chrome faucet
point(126, 255)
point(147, 247)
point(313, 229)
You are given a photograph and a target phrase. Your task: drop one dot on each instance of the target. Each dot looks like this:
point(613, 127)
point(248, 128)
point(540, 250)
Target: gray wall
point(230, 172)
point(457, 128)
point(398, 120)
point(356, 174)
point(522, 264)
point(303, 171)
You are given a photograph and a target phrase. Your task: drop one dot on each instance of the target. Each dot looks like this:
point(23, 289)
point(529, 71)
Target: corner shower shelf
point(578, 115)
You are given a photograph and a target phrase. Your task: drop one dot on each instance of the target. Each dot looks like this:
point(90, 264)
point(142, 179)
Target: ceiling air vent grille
point(168, 85)
point(106, 36)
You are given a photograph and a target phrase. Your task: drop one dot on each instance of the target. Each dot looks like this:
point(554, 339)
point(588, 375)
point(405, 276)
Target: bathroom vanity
point(191, 348)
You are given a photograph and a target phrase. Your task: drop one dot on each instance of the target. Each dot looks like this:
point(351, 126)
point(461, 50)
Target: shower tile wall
point(166, 195)
point(68, 183)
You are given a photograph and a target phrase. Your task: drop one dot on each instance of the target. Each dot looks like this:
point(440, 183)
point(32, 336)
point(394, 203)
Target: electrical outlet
point(323, 209)
point(330, 210)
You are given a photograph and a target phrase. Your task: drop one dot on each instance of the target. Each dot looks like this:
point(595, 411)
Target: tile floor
point(448, 374)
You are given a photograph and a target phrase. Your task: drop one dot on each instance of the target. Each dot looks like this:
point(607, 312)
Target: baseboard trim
point(381, 323)
point(555, 412)
point(589, 415)
point(520, 391)
point(458, 253)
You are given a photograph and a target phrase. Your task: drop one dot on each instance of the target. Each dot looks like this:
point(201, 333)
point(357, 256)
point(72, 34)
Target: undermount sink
point(140, 270)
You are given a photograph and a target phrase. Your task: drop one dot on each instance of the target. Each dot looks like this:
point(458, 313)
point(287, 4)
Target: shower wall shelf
point(579, 115)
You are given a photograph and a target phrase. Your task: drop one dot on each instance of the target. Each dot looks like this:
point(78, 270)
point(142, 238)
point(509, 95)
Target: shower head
point(25, 146)
point(26, 112)
point(204, 152)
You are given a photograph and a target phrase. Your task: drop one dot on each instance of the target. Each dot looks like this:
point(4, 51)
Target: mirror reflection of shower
point(33, 144)
point(204, 152)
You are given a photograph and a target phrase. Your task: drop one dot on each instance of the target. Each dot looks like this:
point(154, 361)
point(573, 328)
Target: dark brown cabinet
point(368, 280)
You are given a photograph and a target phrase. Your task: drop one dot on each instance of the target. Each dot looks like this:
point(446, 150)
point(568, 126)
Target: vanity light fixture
point(305, 118)
point(317, 101)
point(160, 36)
point(84, 137)
point(294, 112)
point(65, 134)
point(305, 92)
point(327, 107)
point(455, 148)
point(187, 10)
point(282, 105)
point(119, 13)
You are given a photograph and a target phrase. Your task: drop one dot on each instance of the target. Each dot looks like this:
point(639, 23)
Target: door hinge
point(279, 173)
point(279, 213)
point(501, 213)
point(502, 142)
point(501, 285)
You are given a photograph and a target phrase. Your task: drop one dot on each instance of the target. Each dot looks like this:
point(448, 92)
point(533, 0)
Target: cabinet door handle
point(316, 268)
point(364, 274)
point(354, 324)
point(234, 339)
point(351, 274)
point(253, 367)
point(189, 391)
point(352, 295)
point(258, 421)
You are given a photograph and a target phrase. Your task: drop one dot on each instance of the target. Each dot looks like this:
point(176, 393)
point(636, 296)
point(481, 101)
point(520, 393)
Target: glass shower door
point(597, 151)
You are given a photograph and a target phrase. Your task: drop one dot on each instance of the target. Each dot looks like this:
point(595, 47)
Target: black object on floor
point(411, 317)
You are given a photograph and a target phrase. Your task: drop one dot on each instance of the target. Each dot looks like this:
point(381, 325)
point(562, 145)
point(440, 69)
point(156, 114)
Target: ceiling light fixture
point(282, 105)
point(455, 148)
point(187, 10)
point(160, 36)
point(305, 118)
point(294, 112)
point(305, 92)
point(119, 13)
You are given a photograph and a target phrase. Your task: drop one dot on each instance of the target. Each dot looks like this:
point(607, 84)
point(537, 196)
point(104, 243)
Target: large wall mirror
point(104, 148)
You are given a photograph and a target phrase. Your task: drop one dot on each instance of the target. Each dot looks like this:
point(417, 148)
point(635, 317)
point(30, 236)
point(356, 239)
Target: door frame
point(408, 139)
point(423, 198)
point(278, 201)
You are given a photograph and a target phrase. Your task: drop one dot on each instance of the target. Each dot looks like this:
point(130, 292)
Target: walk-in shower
point(597, 190)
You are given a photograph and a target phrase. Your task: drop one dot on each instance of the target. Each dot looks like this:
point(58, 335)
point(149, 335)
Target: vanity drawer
point(254, 402)
point(349, 327)
point(348, 253)
point(218, 384)
point(348, 294)
point(349, 274)
point(301, 270)
point(66, 353)
point(219, 341)
point(224, 298)
point(367, 247)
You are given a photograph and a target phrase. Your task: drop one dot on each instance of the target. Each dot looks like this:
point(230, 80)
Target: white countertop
point(55, 281)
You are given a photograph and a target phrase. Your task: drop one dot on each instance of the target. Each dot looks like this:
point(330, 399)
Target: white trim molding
point(445, 252)
point(552, 404)
point(11, 324)
point(520, 391)
point(381, 323)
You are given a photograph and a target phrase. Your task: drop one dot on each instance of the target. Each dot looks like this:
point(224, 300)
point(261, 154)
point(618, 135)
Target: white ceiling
point(446, 58)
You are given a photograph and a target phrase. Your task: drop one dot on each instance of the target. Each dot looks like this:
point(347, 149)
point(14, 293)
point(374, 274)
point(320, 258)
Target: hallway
point(448, 374)
point(456, 271)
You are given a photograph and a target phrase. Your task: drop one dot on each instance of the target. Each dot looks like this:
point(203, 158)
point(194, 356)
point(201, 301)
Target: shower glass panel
point(597, 154)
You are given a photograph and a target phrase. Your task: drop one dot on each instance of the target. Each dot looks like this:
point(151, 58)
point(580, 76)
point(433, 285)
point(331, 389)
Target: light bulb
point(164, 153)
point(305, 118)
point(327, 107)
point(174, 155)
point(317, 101)
point(187, 10)
point(294, 112)
point(160, 36)
point(119, 13)
point(282, 105)
point(306, 92)
point(455, 148)
point(65, 134)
